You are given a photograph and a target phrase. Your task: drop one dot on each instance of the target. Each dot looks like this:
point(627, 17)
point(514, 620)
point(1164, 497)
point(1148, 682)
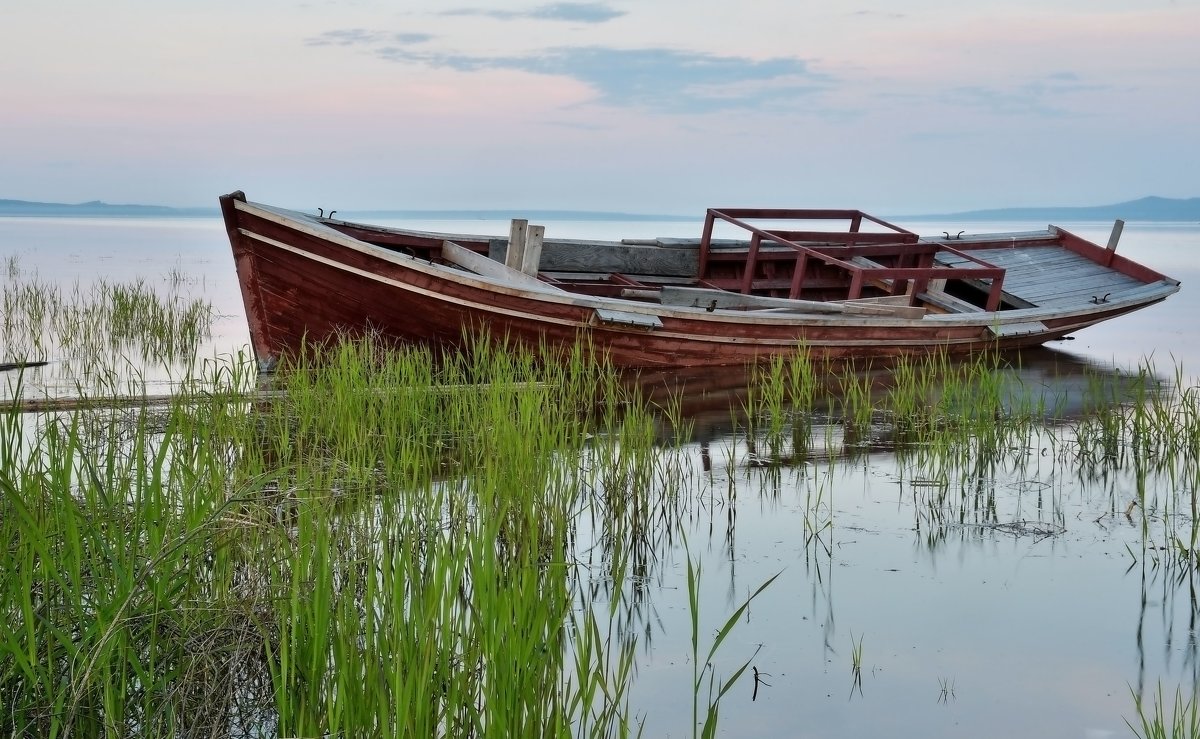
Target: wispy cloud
point(664, 80)
point(877, 14)
point(569, 12)
point(364, 37)
point(1047, 96)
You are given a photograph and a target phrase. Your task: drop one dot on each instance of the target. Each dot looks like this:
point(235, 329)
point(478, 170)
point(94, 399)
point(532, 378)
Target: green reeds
point(410, 544)
point(703, 667)
point(956, 426)
point(1154, 722)
point(99, 329)
point(391, 549)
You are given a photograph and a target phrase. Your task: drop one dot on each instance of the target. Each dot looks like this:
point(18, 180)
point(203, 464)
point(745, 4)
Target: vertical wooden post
point(798, 275)
point(993, 301)
point(856, 284)
point(533, 250)
point(1113, 238)
point(516, 243)
point(705, 244)
point(751, 259)
point(919, 286)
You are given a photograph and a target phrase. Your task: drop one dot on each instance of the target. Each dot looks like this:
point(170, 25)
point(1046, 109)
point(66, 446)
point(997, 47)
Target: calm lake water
point(964, 628)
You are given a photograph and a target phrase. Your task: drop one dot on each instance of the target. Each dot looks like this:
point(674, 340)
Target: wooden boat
point(865, 288)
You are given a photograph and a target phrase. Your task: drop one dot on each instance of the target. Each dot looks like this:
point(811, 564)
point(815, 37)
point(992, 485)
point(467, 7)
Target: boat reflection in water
point(1039, 383)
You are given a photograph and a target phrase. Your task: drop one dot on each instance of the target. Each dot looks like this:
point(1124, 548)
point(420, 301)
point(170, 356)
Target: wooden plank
point(6, 366)
point(592, 256)
point(808, 238)
point(1042, 288)
point(1069, 282)
point(481, 265)
point(1048, 276)
point(712, 299)
point(117, 402)
point(1061, 269)
point(605, 276)
point(1055, 283)
point(997, 236)
point(533, 250)
point(623, 318)
point(810, 283)
point(1115, 236)
point(1072, 287)
point(1023, 328)
point(515, 255)
point(880, 300)
point(693, 243)
point(949, 302)
point(1081, 297)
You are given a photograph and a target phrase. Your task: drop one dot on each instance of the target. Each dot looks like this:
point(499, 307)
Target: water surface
point(1025, 603)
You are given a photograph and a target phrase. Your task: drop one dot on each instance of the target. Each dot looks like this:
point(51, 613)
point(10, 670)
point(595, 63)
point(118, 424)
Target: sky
point(653, 106)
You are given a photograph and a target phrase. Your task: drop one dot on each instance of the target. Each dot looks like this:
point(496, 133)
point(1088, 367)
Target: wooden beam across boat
point(713, 299)
point(481, 265)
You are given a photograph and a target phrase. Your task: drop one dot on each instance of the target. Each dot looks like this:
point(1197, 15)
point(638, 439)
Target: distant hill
point(1145, 209)
point(96, 208)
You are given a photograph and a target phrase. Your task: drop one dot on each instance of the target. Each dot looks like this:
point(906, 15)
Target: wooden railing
point(850, 251)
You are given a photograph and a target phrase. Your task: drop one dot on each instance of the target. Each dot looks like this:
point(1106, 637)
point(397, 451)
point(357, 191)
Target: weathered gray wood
point(1064, 281)
point(597, 257)
point(104, 402)
point(605, 276)
point(686, 242)
point(516, 243)
point(6, 366)
point(714, 299)
point(479, 264)
point(1115, 236)
point(623, 318)
point(1022, 328)
point(1067, 283)
point(1067, 287)
point(949, 302)
point(998, 236)
point(880, 300)
point(533, 249)
point(1049, 276)
point(42, 405)
point(884, 283)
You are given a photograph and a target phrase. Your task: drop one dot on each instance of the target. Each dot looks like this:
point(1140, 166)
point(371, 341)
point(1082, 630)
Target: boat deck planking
point(1049, 276)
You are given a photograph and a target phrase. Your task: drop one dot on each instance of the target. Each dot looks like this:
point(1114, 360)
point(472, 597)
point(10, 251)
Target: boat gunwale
point(317, 228)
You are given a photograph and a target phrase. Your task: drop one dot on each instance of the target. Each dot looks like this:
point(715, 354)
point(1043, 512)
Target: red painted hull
point(304, 282)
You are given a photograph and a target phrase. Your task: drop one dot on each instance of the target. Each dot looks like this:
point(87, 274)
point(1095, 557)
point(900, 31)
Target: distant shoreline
point(1148, 209)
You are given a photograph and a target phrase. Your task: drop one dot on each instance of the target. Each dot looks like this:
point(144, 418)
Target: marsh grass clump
point(389, 549)
point(100, 328)
point(932, 405)
point(957, 427)
point(1147, 427)
point(1154, 722)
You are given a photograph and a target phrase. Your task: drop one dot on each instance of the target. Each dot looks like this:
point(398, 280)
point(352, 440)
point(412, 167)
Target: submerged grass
point(957, 429)
point(101, 329)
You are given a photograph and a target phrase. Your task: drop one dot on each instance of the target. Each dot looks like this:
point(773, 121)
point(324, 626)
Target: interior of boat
point(782, 255)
